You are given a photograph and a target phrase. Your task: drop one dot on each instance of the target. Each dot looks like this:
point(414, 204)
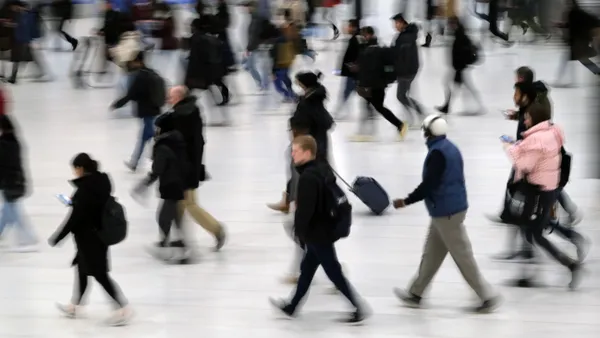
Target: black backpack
point(339, 209)
point(114, 223)
point(565, 167)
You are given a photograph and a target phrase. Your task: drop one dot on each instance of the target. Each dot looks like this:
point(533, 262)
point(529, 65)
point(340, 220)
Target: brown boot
point(281, 206)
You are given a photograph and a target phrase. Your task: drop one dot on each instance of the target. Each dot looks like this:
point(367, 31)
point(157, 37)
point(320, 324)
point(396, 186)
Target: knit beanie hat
point(308, 79)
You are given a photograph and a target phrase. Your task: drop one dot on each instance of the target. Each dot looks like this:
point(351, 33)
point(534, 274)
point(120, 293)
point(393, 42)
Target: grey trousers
point(403, 95)
point(448, 235)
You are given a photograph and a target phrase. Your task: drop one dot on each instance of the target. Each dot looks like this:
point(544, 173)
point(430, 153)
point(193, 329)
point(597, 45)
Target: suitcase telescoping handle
point(341, 178)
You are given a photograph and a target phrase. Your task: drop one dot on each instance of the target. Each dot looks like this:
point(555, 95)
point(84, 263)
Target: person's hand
point(399, 203)
point(246, 54)
point(506, 145)
point(511, 114)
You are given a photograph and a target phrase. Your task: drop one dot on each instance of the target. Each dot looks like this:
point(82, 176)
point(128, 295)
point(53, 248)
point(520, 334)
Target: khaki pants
point(200, 216)
point(448, 235)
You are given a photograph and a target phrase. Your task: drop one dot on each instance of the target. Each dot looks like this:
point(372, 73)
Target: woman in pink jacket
point(537, 160)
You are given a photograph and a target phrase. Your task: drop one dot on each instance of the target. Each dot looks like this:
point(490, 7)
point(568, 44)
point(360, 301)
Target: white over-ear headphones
point(434, 125)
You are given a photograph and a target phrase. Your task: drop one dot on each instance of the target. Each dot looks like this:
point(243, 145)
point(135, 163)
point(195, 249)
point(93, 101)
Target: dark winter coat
point(312, 221)
point(188, 121)
point(351, 56)
point(88, 201)
point(12, 175)
point(370, 67)
point(406, 52)
point(169, 166)
point(254, 31)
point(461, 50)
point(312, 118)
point(580, 25)
point(205, 65)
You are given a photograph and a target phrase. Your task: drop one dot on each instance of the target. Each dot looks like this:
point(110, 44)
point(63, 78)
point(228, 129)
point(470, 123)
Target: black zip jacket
point(351, 55)
point(406, 52)
point(140, 91)
point(188, 121)
point(312, 222)
point(311, 117)
point(435, 166)
point(169, 166)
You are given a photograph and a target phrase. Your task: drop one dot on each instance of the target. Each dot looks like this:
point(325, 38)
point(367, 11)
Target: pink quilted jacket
point(538, 155)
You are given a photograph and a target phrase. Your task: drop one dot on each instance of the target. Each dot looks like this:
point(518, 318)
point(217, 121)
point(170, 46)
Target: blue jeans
point(146, 135)
point(256, 64)
point(283, 83)
point(349, 88)
point(11, 215)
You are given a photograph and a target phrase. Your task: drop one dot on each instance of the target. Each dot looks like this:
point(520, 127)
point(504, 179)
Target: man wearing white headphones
point(444, 192)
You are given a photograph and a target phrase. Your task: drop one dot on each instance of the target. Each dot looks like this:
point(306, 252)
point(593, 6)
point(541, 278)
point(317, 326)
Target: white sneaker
point(69, 310)
point(120, 317)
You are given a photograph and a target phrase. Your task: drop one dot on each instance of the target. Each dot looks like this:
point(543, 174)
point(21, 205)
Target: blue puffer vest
point(450, 197)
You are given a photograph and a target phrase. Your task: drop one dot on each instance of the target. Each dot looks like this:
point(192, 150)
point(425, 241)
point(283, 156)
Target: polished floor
point(225, 295)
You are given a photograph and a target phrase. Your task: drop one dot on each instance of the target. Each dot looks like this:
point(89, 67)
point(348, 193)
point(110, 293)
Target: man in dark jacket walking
point(144, 91)
point(407, 63)
point(314, 229)
point(348, 68)
point(372, 84)
point(188, 122)
point(255, 55)
point(170, 167)
point(445, 194)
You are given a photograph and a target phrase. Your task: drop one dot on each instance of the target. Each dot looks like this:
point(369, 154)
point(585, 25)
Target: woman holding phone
point(91, 260)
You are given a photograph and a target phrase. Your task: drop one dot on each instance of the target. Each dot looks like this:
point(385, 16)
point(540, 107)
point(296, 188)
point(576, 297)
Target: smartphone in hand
point(64, 199)
point(507, 139)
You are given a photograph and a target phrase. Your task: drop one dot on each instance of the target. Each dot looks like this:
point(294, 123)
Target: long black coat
point(12, 176)
point(93, 190)
point(461, 49)
point(188, 121)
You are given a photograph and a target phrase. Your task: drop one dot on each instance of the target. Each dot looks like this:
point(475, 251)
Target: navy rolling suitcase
point(370, 192)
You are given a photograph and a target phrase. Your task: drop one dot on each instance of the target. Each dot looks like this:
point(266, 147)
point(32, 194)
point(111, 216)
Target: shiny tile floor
point(225, 295)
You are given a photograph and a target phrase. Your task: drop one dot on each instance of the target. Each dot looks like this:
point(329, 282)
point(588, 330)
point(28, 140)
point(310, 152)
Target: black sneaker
point(488, 306)
point(576, 272)
point(409, 300)
point(354, 318)
point(284, 307)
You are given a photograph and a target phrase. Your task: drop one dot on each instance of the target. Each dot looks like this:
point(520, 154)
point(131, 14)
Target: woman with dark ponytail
point(87, 205)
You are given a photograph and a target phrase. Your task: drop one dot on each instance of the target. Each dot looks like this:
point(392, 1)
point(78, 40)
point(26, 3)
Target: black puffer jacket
point(93, 190)
point(169, 166)
point(12, 176)
point(188, 121)
point(312, 118)
point(355, 45)
point(406, 52)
